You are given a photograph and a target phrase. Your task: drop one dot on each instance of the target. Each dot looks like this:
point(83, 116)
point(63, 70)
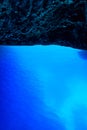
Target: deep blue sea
point(43, 88)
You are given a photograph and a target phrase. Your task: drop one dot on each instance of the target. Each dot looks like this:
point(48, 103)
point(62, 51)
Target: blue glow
point(43, 88)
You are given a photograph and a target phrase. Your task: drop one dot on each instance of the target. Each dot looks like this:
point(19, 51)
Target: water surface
point(43, 87)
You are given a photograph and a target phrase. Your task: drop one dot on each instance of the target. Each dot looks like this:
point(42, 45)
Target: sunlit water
point(43, 88)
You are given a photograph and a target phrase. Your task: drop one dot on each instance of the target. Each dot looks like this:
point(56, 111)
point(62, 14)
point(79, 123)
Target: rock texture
point(31, 22)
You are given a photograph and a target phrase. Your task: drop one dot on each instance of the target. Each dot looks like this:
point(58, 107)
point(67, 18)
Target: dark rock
point(83, 54)
point(43, 22)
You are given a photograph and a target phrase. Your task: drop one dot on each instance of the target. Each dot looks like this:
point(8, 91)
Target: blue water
point(43, 88)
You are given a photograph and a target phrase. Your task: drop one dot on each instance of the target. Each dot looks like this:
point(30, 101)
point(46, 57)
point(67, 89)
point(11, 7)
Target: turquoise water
point(43, 88)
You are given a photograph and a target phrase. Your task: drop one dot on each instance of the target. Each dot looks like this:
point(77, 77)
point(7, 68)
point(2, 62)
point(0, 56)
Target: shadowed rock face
point(83, 55)
point(31, 22)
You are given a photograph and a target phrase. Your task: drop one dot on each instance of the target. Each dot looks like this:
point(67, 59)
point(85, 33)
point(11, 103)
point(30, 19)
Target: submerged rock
point(83, 55)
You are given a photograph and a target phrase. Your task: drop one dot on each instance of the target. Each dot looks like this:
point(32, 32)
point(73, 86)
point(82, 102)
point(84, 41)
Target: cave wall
point(31, 22)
